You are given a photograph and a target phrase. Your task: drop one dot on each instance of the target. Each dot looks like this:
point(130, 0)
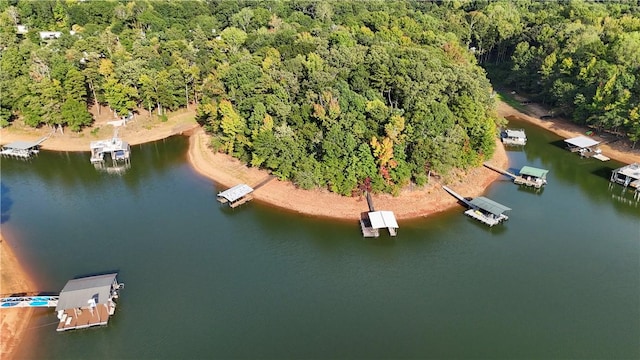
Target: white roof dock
point(515, 133)
point(632, 170)
point(236, 192)
point(24, 145)
point(383, 219)
point(582, 142)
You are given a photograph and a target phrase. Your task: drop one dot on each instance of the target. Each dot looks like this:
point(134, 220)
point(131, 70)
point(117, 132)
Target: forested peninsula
point(342, 95)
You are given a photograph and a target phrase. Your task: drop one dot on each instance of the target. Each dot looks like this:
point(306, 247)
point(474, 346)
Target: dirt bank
point(411, 203)
point(13, 279)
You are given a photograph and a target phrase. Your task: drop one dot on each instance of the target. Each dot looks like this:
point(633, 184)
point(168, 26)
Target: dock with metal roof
point(82, 303)
point(236, 195)
point(528, 175)
point(628, 176)
point(87, 301)
point(118, 149)
point(531, 176)
point(372, 221)
point(482, 209)
point(586, 147)
point(514, 137)
point(379, 220)
point(22, 149)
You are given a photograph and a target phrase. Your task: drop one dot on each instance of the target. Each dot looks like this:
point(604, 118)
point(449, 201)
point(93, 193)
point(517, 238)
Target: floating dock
point(514, 137)
point(87, 302)
point(482, 209)
point(82, 303)
point(236, 195)
point(22, 149)
point(528, 175)
point(586, 147)
point(371, 222)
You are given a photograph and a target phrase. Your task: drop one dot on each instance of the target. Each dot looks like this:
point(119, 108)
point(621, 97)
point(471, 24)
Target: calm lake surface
point(560, 279)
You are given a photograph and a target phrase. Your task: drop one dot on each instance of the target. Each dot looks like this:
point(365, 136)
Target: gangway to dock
point(457, 196)
point(29, 301)
point(503, 172)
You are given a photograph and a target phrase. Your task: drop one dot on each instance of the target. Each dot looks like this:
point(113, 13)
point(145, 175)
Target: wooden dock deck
point(72, 319)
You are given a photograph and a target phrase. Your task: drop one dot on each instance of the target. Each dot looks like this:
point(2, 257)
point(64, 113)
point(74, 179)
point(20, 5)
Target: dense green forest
point(330, 94)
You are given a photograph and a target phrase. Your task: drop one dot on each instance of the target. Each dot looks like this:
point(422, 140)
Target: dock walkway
point(29, 301)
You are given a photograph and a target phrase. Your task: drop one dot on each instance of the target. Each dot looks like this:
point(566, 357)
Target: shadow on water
point(496, 229)
point(5, 203)
point(603, 172)
point(531, 190)
point(559, 143)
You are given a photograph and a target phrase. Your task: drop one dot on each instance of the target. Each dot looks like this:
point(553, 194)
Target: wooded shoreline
point(227, 171)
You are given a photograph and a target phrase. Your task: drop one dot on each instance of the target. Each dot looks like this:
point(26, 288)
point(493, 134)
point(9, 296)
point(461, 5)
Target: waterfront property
point(87, 302)
point(531, 176)
point(236, 195)
point(119, 150)
point(586, 147)
point(482, 209)
point(514, 137)
point(22, 149)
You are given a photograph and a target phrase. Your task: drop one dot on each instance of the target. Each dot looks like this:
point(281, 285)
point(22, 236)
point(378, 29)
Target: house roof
point(77, 292)
point(582, 142)
point(535, 172)
point(383, 219)
point(489, 205)
point(236, 192)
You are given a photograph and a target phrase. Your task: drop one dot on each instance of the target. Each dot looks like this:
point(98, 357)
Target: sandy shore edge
point(13, 279)
point(411, 202)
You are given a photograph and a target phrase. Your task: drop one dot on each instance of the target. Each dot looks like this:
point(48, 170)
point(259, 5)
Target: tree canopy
point(326, 94)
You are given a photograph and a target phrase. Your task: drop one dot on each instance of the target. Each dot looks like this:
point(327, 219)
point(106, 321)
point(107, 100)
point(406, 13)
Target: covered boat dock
point(628, 175)
point(377, 220)
point(487, 211)
point(22, 149)
point(118, 149)
point(586, 147)
point(482, 209)
point(531, 176)
point(514, 137)
point(236, 195)
point(87, 302)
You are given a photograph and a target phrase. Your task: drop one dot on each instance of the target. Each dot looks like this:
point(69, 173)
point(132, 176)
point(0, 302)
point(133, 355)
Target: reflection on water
point(559, 279)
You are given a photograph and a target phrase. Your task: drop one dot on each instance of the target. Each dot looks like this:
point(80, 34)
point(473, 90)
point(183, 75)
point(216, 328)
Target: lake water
point(560, 279)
